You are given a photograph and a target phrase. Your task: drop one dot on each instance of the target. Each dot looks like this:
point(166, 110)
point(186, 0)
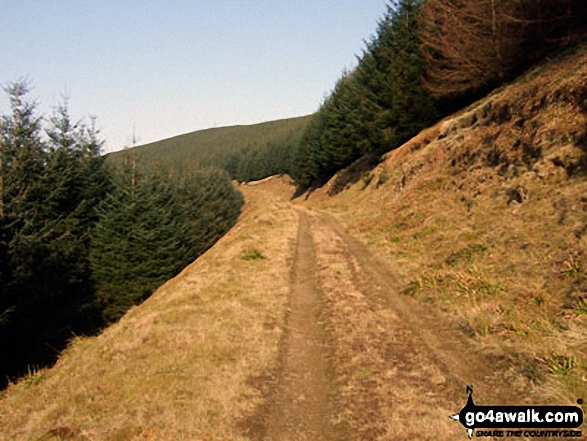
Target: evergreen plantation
point(375, 108)
point(149, 232)
point(82, 242)
point(247, 152)
point(428, 59)
point(83, 237)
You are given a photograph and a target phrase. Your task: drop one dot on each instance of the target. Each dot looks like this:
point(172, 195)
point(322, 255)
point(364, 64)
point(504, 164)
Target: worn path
point(359, 360)
point(301, 408)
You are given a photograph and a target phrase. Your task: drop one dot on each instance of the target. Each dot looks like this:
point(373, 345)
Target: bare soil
point(301, 408)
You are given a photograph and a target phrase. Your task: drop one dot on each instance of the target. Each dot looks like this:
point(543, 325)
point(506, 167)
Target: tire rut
point(454, 354)
point(301, 408)
point(361, 361)
point(387, 386)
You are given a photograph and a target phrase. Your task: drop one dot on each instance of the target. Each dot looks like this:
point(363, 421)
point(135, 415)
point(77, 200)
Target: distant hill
point(214, 146)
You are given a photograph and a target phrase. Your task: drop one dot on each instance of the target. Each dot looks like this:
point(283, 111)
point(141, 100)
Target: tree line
point(247, 153)
point(81, 242)
point(426, 60)
point(254, 163)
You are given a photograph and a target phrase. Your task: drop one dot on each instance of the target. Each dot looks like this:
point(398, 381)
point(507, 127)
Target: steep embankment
point(185, 365)
point(484, 217)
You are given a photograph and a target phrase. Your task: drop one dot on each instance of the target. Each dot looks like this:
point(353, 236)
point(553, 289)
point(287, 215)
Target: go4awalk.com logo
point(520, 421)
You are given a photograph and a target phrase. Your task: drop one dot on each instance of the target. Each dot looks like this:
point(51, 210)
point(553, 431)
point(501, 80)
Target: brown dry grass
point(388, 388)
point(186, 364)
point(484, 216)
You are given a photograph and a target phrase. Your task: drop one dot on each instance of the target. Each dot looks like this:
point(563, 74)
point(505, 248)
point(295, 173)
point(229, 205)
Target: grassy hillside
point(480, 221)
point(187, 363)
point(484, 216)
point(213, 146)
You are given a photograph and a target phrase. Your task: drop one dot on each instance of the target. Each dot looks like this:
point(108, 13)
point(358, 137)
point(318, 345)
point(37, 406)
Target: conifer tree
point(210, 206)
point(473, 46)
point(410, 106)
point(27, 230)
point(46, 283)
point(375, 108)
point(144, 238)
point(137, 244)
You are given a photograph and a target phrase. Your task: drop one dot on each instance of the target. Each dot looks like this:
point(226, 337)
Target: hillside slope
point(184, 365)
point(484, 216)
point(210, 146)
point(461, 259)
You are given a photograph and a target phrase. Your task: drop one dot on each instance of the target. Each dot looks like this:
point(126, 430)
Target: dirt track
point(301, 407)
point(311, 340)
point(359, 360)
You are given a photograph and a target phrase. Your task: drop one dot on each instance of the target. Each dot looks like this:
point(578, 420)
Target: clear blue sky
point(171, 67)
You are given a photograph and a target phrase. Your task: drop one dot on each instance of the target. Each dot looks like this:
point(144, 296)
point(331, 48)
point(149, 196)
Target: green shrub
point(383, 177)
point(253, 254)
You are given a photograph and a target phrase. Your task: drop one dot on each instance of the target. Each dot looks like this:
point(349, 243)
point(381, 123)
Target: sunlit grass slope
point(185, 365)
point(484, 216)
